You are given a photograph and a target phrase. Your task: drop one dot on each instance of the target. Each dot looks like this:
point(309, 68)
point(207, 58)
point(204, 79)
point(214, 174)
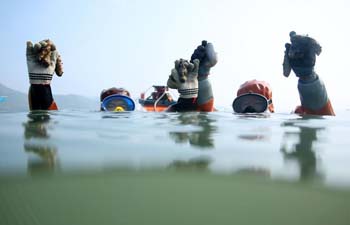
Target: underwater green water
point(75, 167)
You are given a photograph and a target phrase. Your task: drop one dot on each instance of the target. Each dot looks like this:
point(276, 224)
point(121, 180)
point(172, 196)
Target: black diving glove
point(286, 65)
point(207, 57)
point(300, 55)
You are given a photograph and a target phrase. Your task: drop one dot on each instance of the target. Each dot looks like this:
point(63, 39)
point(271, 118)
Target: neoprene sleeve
point(313, 94)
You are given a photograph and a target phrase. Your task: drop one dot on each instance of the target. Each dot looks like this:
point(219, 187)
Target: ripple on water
point(288, 146)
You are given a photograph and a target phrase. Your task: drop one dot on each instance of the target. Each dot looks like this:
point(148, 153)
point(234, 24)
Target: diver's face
point(251, 105)
point(114, 104)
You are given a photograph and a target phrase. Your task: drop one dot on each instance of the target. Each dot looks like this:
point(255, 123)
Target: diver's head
point(253, 97)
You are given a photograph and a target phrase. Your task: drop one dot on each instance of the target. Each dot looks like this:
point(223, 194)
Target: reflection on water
point(201, 138)
point(276, 146)
point(116, 115)
point(254, 134)
point(252, 115)
point(303, 152)
point(129, 170)
point(36, 132)
point(195, 164)
point(252, 137)
point(264, 172)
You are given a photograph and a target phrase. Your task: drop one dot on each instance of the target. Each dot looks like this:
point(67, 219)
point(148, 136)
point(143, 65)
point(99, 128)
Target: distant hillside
point(77, 102)
point(18, 101)
point(14, 100)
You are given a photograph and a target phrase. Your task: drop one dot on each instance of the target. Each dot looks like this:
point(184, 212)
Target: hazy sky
point(133, 44)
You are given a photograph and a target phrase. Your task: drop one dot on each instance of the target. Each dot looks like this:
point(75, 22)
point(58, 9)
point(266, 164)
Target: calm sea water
point(89, 167)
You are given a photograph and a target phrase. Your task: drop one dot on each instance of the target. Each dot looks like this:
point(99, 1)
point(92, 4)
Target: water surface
point(146, 168)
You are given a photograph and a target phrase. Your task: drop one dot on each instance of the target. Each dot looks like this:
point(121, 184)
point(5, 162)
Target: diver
point(116, 100)
point(300, 56)
point(207, 57)
point(184, 78)
point(112, 91)
point(253, 97)
point(43, 60)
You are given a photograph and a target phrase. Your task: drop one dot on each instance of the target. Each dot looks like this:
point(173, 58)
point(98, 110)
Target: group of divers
point(190, 78)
